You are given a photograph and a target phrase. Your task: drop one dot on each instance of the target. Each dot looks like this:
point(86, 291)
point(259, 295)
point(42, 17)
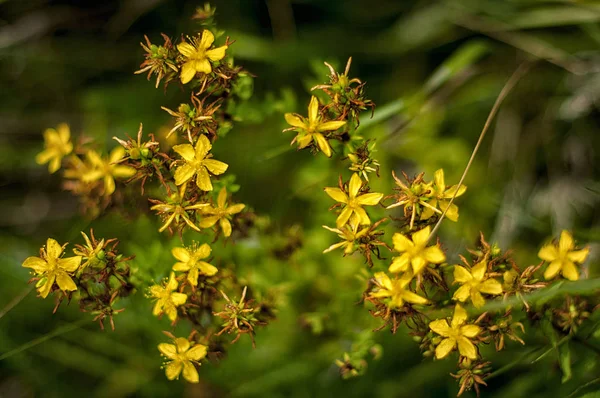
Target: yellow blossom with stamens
point(311, 129)
point(456, 334)
point(178, 209)
point(353, 202)
point(413, 197)
point(198, 55)
point(415, 252)
point(182, 356)
point(349, 234)
point(52, 268)
point(198, 162)
point(222, 213)
point(190, 261)
point(440, 198)
point(167, 299)
point(107, 169)
point(397, 290)
point(474, 283)
point(57, 144)
point(563, 257)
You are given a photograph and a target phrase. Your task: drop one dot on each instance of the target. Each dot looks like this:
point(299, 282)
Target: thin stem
point(13, 303)
point(510, 84)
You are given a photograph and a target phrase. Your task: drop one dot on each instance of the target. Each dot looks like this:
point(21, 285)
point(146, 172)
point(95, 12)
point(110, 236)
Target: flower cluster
point(96, 276)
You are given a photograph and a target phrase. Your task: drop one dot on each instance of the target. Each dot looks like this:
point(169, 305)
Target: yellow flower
point(474, 283)
point(349, 234)
point(396, 290)
point(563, 258)
point(440, 198)
point(457, 333)
point(198, 56)
point(190, 262)
point(108, 169)
point(353, 202)
point(198, 162)
point(57, 144)
point(415, 252)
point(167, 298)
point(182, 356)
point(90, 251)
point(222, 213)
point(178, 209)
point(311, 129)
point(50, 267)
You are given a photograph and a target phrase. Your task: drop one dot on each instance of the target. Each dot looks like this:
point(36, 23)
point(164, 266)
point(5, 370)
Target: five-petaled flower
point(312, 129)
point(456, 334)
point(222, 213)
point(182, 356)
point(349, 234)
point(441, 196)
point(57, 144)
point(167, 298)
point(562, 257)
point(108, 169)
point(190, 261)
point(51, 267)
point(415, 252)
point(474, 283)
point(397, 290)
point(353, 202)
point(198, 162)
point(198, 56)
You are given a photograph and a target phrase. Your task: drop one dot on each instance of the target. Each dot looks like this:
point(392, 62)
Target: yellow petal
point(452, 212)
point(64, 132)
point(478, 271)
point(69, 264)
point(462, 294)
point(222, 198)
point(203, 180)
point(186, 49)
point(400, 264)
point(402, 243)
point(181, 254)
point(418, 263)
point(45, 156)
point(579, 256)
point(420, 237)
point(207, 39)
point(323, 144)
point(553, 269)
point(120, 171)
point(53, 249)
point(186, 151)
point(225, 226)
point(565, 243)
point(208, 222)
point(343, 217)
point(293, 120)
point(173, 369)
point(444, 348)
point(466, 348)
point(477, 299)
point(470, 330)
point(197, 352)
point(313, 109)
point(188, 71)
point(354, 185)
point(207, 269)
point(172, 284)
point(235, 208)
point(461, 275)
point(168, 350)
point(109, 185)
point(203, 146)
point(215, 166)
point(44, 290)
point(329, 126)
point(434, 255)
point(362, 215)
point(183, 174)
point(64, 282)
point(203, 251)
point(438, 177)
point(303, 141)
point(202, 66)
point(54, 165)
point(334, 246)
point(459, 317)
point(190, 373)
point(569, 271)
point(548, 253)
point(369, 199)
point(491, 286)
point(36, 263)
point(180, 266)
point(116, 154)
point(216, 54)
point(413, 297)
point(337, 194)
point(440, 326)
point(193, 276)
point(178, 298)
point(158, 307)
point(182, 345)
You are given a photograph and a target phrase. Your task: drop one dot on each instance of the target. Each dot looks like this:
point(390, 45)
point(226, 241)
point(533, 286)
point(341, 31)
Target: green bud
point(417, 339)
point(101, 255)
point(428, 354)
point(134, 153)
point(145, 152)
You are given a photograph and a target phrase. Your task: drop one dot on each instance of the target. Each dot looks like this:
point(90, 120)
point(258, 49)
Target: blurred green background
point(434, 69)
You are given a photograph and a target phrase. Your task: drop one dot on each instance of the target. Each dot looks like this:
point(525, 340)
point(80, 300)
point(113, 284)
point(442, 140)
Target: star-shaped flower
point(167, 299)
point(415, 252)
point(563, 257)
point(353, 202)
point(50, 267)
point(396, 290)
point(440, 198)
point(474, 283)
point(456, 334)
point(190, 260)
point(222, 213)
point(108, 169)
point(57, 144)
point(182, 356)
point(197, 162)
point(198, 55)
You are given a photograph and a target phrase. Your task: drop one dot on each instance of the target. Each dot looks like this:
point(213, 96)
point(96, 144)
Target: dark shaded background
point(433, 68)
